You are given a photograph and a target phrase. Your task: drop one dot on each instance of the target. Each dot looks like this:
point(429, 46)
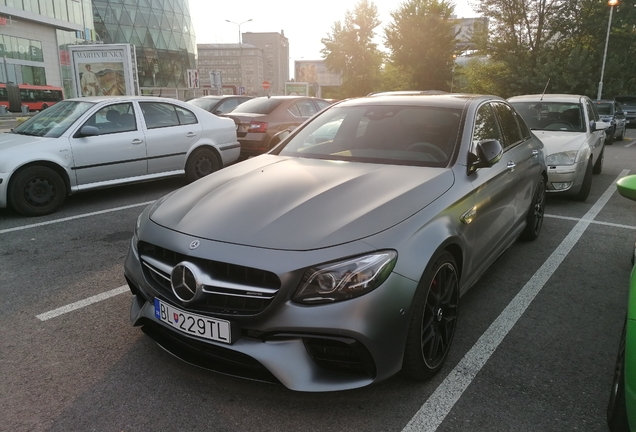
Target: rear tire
point(621, 137)
point(433, 320)
point(616, 408)
point(587, 183)
point(36, 191)
point(201, 162)
point(534, 220)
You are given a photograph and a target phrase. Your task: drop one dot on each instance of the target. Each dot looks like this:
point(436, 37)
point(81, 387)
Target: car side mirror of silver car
point(489, 152)
point(87, 131)
point(279, 137)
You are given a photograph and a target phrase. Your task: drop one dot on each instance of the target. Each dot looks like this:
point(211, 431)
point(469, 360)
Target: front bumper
point(328, 347)
point(570, 175)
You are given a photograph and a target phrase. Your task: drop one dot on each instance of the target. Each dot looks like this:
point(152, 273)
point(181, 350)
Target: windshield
point(53, 121)
point(553, 116)
point(407, 135)
point(259, 105)
point(205, 103)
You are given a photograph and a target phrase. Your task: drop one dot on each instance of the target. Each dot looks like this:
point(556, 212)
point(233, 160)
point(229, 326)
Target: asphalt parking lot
point(534, 349)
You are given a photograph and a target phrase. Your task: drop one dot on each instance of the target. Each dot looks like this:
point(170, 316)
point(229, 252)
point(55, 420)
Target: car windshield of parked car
point(406, 135)
point(605, 108)
point(205, 103)
point(55, 120)
point(259, 105)
point(552, 116)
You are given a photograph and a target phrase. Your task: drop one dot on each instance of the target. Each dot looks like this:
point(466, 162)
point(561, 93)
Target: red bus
point(35, 97)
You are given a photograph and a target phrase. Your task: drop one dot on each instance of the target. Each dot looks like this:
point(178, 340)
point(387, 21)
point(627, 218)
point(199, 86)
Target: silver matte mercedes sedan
point(338, 258)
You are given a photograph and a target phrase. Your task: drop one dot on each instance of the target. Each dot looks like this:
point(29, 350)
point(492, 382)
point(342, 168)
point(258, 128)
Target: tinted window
point(511, 132)
point(227, 105)
point(486, 126)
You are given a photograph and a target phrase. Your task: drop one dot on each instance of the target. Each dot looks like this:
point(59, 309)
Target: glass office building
point(161, 31)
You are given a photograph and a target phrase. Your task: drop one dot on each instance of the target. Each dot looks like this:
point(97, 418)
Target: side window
point(185, 116)
point(114, 119)
point(510, 127)
point(295, 110)
point(307, 108)
point(486, 126)
point(322, 104)
point(159, 114)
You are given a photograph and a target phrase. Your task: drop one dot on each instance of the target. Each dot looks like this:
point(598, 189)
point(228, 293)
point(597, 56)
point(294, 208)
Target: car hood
point(10, 140)
point(557, 141)
point(285, 203)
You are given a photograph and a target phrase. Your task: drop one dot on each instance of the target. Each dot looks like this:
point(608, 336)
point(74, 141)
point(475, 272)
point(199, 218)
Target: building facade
point(34, 37)
point(160, 30)
point(275, 48)
point(241, 66)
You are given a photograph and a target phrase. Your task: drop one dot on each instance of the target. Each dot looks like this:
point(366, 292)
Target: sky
point(304, 24)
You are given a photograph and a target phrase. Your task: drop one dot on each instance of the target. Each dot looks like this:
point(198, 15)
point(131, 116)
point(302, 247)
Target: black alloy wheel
point(616, 408)
point(434, 319)
point(534, 220)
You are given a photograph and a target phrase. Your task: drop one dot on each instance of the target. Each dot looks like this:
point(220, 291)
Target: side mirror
point(489, 152)
point(599, 125)
point(279, 137)
point(627, 187)
point(87, 131)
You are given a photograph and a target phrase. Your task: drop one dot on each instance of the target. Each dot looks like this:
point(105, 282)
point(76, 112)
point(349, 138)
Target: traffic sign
point(266, 85)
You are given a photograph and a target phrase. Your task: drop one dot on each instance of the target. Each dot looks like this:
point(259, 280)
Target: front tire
point(534, 220)
point(616, 408)
point(586, 187)
point(37, 191)
point(621, 137)
point(202, 162)
point(433, 320)
point(610, 137)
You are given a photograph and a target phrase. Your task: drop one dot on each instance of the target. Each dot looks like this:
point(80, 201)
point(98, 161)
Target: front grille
point(342, 355)
point(235, 290)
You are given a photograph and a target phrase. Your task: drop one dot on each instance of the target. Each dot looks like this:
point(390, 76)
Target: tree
point(350, 51)
point(422, 43)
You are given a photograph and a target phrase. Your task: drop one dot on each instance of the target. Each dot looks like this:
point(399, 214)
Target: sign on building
point(315, 71)
point(106, 69)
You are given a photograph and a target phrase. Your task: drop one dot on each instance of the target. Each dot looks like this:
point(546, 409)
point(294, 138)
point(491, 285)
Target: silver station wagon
point(87, 143)
point(338, 258)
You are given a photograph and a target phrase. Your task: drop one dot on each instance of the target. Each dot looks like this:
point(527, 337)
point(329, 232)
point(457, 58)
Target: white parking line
point(439, 404)
point(631, 227)
point(82, 303)
point(630, 144)
point(85, 215)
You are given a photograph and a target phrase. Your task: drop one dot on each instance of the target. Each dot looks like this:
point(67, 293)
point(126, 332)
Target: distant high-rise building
point(275, 48)
point(241, 66)
point(161, 31)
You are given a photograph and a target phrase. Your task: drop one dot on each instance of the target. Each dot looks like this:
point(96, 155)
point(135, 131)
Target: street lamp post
point(611, 4)
point(240, 46)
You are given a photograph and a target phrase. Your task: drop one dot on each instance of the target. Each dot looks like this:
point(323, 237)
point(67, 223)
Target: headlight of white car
point(347, 279)
point(562, 158)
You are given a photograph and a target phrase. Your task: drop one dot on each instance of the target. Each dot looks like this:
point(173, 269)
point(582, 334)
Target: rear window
point(259, 106)
point(605, 108)
point(626, 100)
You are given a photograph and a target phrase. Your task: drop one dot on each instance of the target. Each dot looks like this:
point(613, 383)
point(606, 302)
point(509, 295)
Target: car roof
point(126, 98)
point(407, 93)
point(551, 97)
point(448, 100)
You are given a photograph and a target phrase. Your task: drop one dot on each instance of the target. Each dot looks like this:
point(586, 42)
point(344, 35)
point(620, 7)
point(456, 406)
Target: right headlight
point(332, 282)
point(562, 158)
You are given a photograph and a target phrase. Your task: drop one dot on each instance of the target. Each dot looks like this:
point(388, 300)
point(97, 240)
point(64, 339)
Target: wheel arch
point(44, 163)
point(206, 146)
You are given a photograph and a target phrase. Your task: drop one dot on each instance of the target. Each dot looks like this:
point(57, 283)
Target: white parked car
point(573, 136)
point(87, 143)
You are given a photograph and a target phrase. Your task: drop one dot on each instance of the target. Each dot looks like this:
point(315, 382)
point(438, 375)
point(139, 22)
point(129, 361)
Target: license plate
point(193, 324)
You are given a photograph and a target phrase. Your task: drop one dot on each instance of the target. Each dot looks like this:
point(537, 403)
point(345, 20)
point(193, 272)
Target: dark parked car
point(219, 104)
point(259, 119)
point(612, 113)
point(628, 103)
point(334, 263)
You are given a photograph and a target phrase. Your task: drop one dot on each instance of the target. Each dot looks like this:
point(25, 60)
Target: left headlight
point(342, 280)
point(563, 158)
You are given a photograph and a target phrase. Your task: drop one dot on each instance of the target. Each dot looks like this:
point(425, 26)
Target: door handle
point(137, 141)
point(535, 153)
point(191, 134)
point(511, 166)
